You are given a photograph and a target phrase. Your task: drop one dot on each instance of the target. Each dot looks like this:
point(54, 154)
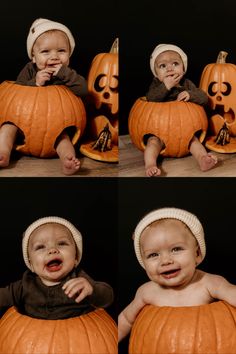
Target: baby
point(169, 245)
point(54, 287)
point(169, 65)
point(49, 45)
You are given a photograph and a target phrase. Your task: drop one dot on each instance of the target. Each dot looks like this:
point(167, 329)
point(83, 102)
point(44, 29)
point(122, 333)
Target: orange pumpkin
point(218, 80)
point(92, 333)
point(103, 92)
point(103, 79)
point(185, 330)
point(41, 114)
point(174, 122)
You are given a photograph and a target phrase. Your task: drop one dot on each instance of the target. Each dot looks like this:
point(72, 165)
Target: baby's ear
point(33, 58)
point(198, 255)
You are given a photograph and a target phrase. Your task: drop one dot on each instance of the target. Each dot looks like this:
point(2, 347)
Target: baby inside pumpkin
point(169, 244)
point(49, 45)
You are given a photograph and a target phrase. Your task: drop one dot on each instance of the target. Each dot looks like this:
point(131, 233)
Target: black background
point(90, 204)
point(211, 200)
point(201, 28)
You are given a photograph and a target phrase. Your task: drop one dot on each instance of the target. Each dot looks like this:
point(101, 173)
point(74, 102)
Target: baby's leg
point(205, 160)
point(7, 138)
point(66, 153)
point(151, 153)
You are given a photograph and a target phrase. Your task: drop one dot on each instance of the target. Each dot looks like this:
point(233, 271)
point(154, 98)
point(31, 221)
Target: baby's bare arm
point(128, 315)
point(219, 288)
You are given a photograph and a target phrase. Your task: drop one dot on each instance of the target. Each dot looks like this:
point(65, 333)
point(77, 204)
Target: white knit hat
point(42, 25)
point(163, 48)
point(46, 220)
point(186, 217)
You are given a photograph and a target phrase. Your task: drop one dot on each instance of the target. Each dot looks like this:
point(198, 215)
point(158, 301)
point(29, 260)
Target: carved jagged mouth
point(226, 113)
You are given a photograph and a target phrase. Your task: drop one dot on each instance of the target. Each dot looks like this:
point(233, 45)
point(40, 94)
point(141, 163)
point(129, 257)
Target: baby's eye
point(152, 255)
point(61, 50)
point(39, 247)
point(162, 66)
point(63, 243)
point(176, 249)
point(175, 63)
point(45, 51)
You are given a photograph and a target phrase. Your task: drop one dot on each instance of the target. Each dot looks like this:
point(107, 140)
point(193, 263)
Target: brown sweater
point(35, 299)
point(65, 76)
point(159, 93)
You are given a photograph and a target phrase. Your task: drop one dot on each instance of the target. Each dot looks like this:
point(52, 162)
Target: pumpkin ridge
point(215, 327)
point(100, 332)
point(24, 328)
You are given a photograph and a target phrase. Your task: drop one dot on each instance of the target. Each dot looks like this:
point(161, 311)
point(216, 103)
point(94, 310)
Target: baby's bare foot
point(4, 159)
point(70, 165)
point(207, 162)
point(152, 171)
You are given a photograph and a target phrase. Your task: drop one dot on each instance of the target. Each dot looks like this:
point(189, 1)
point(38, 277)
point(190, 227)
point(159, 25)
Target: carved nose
point(106, 95)
point(218, 98)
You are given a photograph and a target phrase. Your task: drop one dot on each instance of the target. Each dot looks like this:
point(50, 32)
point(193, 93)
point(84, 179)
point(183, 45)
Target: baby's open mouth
point(171, 273)
point(54, 265)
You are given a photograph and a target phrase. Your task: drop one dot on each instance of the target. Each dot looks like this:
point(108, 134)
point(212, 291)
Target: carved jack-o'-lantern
point(41, 114)
point(218, 80)
point(102, 130)
point(103, 79)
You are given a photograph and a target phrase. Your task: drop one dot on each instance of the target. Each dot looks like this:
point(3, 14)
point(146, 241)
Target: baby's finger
point(81, 296)
point(70, 284)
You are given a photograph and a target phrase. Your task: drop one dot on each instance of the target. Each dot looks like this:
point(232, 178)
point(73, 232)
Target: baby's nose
point(166, 259)
point(53, 250)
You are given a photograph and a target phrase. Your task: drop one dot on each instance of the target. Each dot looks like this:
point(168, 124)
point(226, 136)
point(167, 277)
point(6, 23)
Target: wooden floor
point(24, 166)
point(131, 164)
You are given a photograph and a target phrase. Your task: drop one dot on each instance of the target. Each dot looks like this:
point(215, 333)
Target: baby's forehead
point(166, 223)
point(49, 229)
point(167, 53)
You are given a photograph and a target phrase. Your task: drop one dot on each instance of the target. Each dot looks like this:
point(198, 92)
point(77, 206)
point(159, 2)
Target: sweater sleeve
point(197, 95)
point(75, 82)
point(157, 91)
point(11, 295)
point(27, 76)
point(102, 295)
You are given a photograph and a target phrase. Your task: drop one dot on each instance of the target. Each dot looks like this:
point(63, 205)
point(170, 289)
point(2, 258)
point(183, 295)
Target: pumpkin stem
point(221, 57)
point(115, 46)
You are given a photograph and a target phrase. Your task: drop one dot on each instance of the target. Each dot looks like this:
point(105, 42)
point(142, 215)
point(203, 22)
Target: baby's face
point(52, 253)
point(170, 253)
point(50, 49)
point(168, 63)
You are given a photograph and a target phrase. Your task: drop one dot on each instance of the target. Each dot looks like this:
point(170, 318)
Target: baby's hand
point(42, 76)
point(183, 96)
point(78, 288)
point(55, 68)
point(172, 80)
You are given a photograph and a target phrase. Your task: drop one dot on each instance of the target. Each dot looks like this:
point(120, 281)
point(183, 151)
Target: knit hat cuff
point(46, 220)
point(170, 213)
